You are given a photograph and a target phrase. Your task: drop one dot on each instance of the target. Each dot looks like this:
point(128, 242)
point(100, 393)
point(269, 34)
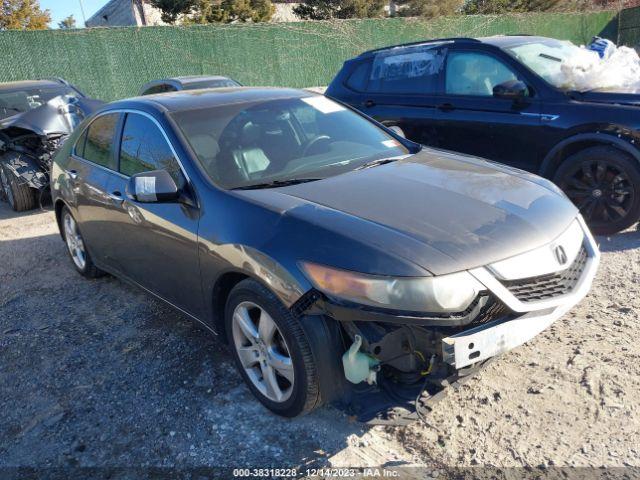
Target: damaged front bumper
point(514, 308)
point(529, 317)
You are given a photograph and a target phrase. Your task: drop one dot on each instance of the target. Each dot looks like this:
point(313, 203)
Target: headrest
point(250, 133)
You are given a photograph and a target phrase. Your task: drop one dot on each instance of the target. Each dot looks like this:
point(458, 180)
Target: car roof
point(25, 84)
point(500, 41)
point(205, 98)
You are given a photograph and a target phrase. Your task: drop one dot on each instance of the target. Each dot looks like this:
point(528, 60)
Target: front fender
point(620, 139)
point(220, 262)
point(25, 168)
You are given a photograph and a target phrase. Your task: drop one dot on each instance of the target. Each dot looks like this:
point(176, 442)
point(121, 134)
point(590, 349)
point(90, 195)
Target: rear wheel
point(271, 350)
point(17, 193)
point(604, 183)
point(77, 247)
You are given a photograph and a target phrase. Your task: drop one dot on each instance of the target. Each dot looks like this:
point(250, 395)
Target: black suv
point(500, 98)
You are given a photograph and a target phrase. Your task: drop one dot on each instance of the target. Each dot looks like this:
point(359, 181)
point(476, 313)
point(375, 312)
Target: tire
point(17, 193)
point(72, 237)
point(604, 183)
point(302, 394)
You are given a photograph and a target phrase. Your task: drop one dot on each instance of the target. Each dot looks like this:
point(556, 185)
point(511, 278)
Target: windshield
point(546, 58)
point(275, 141)
point(23, 100)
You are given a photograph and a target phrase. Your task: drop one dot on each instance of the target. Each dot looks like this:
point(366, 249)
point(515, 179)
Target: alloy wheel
point(601, 190)
point(74, 241)
point(263, 352)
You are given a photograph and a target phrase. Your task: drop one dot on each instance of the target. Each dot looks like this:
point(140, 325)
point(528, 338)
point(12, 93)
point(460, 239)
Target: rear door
point(157, 242)
point(471, 120)
point(90, 170)
point(401, 88)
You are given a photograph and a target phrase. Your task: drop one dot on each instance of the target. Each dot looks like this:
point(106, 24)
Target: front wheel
point(604, 183)
point(271, 350)
point(17, 193)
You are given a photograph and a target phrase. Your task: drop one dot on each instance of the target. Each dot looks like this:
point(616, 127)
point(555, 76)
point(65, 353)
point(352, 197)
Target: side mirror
point(397, 130)
point(511, 90)
point(156, 186)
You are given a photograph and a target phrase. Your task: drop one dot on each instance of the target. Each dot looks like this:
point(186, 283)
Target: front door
point(90, 170)
point(158, 242)
point(470, 119)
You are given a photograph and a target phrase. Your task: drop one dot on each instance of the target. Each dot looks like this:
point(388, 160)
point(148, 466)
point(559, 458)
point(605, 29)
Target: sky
point(61, 9)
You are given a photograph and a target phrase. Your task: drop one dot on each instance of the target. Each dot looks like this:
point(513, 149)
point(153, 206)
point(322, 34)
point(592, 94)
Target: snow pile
point(610, 68)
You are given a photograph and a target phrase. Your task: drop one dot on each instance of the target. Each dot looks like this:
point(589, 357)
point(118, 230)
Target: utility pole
point(84, 18)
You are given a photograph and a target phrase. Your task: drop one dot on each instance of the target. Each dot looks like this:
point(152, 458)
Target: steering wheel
point(313, 142)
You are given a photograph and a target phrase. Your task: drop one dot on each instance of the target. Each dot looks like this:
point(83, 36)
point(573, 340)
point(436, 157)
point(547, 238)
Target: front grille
point(494, 309)
point(548, 286)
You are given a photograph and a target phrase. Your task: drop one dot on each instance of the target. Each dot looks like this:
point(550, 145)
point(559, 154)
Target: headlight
point(441, 294)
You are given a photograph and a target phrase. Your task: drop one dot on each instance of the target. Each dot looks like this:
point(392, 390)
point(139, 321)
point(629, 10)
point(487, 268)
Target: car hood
point(444, 212)
point(60, 115)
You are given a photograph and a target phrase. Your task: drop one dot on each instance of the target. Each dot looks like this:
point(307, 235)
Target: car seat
point(249, 157)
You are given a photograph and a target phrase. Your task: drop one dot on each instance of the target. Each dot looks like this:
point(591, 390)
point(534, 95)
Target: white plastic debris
point(584, 69)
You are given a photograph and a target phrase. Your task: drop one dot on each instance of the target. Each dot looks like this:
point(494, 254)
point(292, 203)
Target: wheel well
point(552, 164)
point(58, 210)
point(221, 291)
point(565, 152)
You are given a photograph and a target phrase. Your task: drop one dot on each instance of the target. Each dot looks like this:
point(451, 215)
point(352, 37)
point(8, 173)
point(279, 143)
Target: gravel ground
point(97, 373)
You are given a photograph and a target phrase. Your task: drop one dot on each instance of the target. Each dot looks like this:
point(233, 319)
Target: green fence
point(113, 63)
point(629, 27)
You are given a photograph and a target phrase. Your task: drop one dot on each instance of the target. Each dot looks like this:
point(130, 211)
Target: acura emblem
point(561, 255)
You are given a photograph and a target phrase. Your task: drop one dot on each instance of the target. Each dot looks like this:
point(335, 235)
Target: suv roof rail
point(421, 42)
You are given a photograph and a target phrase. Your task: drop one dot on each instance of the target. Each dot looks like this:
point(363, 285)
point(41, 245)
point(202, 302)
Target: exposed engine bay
point(29, 141)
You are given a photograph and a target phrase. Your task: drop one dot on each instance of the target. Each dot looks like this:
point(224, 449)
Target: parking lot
point(96, 373)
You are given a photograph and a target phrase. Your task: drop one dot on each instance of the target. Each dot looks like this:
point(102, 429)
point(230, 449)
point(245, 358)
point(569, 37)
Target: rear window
point(219, 83)
point(162, 88)
point(358, 79)
point(407, 70)
point(98, 147)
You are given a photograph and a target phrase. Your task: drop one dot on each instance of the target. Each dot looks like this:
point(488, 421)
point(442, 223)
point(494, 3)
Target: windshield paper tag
point(390, 143)
point(323, 104)
point(146, 188)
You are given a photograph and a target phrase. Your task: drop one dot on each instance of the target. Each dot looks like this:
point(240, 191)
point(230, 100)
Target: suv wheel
point(271, 350)
point(18, 194)
point(604, 183)
point(77, 247)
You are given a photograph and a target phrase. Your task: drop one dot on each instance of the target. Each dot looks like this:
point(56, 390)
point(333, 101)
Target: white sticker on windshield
point(391, 143)
point(323, 104)
point(146, 188)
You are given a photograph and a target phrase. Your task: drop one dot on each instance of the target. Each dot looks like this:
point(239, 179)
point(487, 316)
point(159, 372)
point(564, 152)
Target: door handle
point(73, 174)
point(116, 196)
point(446, 107)
point(369, 103)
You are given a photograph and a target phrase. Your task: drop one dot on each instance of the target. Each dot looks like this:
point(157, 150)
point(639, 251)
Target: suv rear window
point(358, 79)
point(98, 147)
point(413, 70)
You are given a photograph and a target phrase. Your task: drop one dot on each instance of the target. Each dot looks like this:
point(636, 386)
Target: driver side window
point(473, 73)
point(143, 148)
